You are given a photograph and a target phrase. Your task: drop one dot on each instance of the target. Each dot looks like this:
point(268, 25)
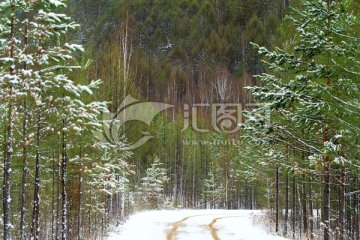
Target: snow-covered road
point(192, 225)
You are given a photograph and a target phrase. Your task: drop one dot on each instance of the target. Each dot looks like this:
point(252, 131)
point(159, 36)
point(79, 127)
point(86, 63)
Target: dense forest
point(258, 109)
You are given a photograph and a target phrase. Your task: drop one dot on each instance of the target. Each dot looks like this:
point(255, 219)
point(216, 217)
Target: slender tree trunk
point(304, 206)
point(102, 223)
point(178, 156)
point(7, 178)
point(95, 226)
point(35, 223)
point(253, 197)
point(126, 46)
point(355, 213)
point(25, 148)
point(311, 223)
point(294, 207)
point(342, 215)
point(117, 202)
point(193, 179)
point(64, 225)
point(357, 216)
point(24, 176)
point(326, 203)
point(53, 214)
point(277, 208)
point(299, 207)
point(350, 219)
point(103, 217)
point(286, 220)
point(318, 212)
point(326, 207)
point(9, 145)
point(79, 222)
point(58, 212)
point(89, 214)
point(122, 215)
point(349, 202)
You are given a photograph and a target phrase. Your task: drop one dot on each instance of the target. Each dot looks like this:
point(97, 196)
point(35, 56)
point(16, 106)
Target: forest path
point(192, 225)
point(199, 225)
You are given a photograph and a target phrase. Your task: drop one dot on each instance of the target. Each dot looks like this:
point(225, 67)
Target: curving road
point(192, 225)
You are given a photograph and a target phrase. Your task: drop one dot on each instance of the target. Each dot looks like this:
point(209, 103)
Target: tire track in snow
point(215, 230)
point(176, 225)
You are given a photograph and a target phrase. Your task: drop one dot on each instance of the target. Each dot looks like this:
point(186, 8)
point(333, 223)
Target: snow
point(57, 3)
point(7, 59)
point(192, 224)
point(86, 89)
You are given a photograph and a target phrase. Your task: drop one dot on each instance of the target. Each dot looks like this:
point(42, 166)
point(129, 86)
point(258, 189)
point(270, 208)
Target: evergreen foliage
point(297, 77)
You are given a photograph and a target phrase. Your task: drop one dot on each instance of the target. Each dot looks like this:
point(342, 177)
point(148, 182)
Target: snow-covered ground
point(192, 225)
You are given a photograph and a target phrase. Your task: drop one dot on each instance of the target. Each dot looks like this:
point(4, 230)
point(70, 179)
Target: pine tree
point(9, 80)
point(312, 86)
point(213, 191)
point(153, 184)
point(34, 72)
